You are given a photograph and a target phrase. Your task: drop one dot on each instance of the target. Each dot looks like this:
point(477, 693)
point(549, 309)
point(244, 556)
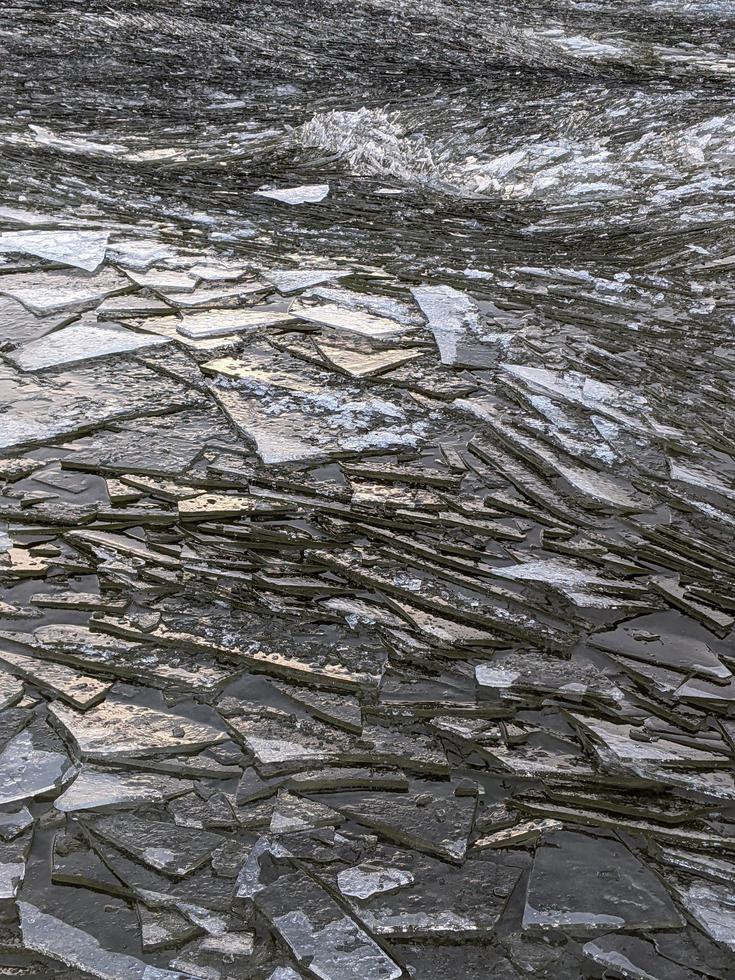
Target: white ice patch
point(305, 194)
point(81, 249)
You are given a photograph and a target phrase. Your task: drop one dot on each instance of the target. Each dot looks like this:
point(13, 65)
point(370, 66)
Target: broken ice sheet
point(357, 364)
point(616, 743)
point(32, 764)
point(365, 880)
point(293, 412)
point(292, 280)
point(401, 895)
point(221, 323)
point(56, 290)
point(454, 319)
point(663, 648)
point(13, 857)
point(520, 834)
point(427, 821)
point(18, 325)
point(166, 847)
point(14, 822)
point(129, 305)
point(582, 885)
point(208, 297)
point(582, 586)
point(73, 947)
point(295, 814)
point(83, 249)
point(343, 318)
point(710, 904)
point(99, 789)
point(215, 957)
point(79, 646)
point(597, 396)
point(11, 690)
point(333, 661)
point(137, 730)
point(305, 194)
point(532, 671)
point(595, 490)
point(309, 921)
point(73, 402)
point(381, 306)
point(341, 710)
point(282, 743)
point(631, 956)
point(162, 928)
point(78, 690)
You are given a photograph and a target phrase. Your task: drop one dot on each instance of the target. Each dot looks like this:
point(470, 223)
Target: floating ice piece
point(355, 364)
point(385, 306)
point(425, 821)
point(207, 957)
point(208, 297)
point(342, 710)
point(342, 318)
point(583, 885)
point(99, 789)
point(529, 670)
point(14, 823)
point(663, 649)
point(51, 292)
point(220, 323)
point(293, 814)
point(216, 271)
point(697, 476)
point(522, 833)
point(131, 305)
point(454, 319)
point(167, 847)
point(49, 936)
point(582, 586)
point(77, 689)
point(34, 411)
point(618, 745)
point(711, 905)
point(161, 928)
point(11, 690)
point(366, 880)
point(116, 729)
point(13, 856)
point(290, 414)
point(138, 254)
point(18, 325)
point(318, 932)
point(82, 249)
point(291, 280)
point(304, 194)
point(27, 771)
point(168, 280)
point(633, 958)
point(438, 902)
point(451, 315)
point(22, 216)
point(598, 489)
point(578, 389)
point(84, 340)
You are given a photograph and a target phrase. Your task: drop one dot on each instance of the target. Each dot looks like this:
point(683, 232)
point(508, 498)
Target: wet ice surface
point(367, 489)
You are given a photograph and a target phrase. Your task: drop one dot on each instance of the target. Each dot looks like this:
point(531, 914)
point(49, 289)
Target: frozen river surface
point(367, 490)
